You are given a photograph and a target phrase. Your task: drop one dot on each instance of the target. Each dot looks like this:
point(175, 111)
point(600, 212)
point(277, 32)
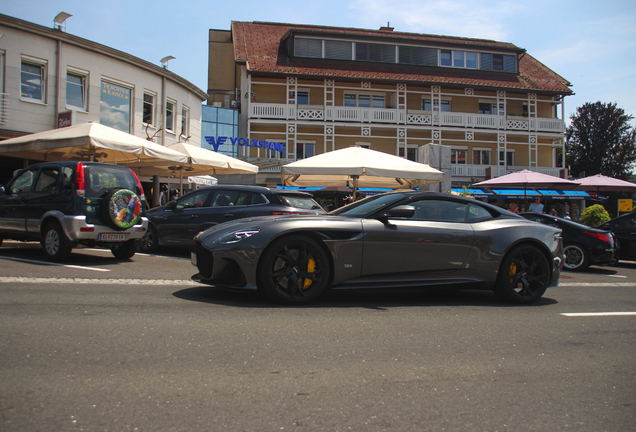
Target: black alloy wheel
point(148, 242)
point(524, 275)
point(576, 258)
point(294, 270)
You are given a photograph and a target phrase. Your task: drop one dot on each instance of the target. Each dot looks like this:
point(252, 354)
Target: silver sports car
point(393, 240)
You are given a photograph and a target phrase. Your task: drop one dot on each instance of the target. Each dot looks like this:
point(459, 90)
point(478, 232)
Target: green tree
point(594, 216)
point(600, 140)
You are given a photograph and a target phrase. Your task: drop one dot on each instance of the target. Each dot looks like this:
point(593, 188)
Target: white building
point(49, 79)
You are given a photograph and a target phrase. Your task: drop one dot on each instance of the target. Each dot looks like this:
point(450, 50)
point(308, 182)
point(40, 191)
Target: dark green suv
point(64, 204)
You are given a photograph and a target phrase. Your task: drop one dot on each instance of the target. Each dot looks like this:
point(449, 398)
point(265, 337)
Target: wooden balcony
point(409, 117)
point(460, 170)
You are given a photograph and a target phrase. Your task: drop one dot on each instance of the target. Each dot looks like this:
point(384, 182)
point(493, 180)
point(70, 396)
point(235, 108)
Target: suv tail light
point(142, 195)
point(601, 237)
point(80, 180)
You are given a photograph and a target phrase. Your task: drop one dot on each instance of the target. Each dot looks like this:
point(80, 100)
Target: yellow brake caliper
point(311, 267)
point(513, 271)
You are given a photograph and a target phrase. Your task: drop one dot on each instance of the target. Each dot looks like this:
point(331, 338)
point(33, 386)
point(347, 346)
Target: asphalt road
point(106, 345)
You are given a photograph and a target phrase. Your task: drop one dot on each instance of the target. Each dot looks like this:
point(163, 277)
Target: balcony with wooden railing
point(272, 111)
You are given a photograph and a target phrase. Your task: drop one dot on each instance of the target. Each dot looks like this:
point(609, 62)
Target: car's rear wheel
point(524, 275)
point(576, 257)
point(55, 243)
point(294, 270)
point(149, 243)
point(125, 250)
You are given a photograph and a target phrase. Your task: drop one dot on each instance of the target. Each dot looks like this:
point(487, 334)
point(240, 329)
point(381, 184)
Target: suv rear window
point(298, 201)
point(100, 178)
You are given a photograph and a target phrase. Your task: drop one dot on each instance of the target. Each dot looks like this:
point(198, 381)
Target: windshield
point(368, 205)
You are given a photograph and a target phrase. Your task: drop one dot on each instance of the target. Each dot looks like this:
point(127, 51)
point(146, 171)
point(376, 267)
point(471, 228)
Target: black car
point(176, 223)
point(396, 240)
point(583, 246)
point(64, 204)
point(624, 229)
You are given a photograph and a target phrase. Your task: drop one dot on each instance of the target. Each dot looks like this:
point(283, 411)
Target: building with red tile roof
point(318, 89)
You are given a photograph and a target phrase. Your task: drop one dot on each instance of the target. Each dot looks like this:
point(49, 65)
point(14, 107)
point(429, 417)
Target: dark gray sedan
point(394, 240)
point(176, 223)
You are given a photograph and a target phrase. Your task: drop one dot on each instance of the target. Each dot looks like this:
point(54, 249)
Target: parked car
point(624, 229)
point(64, 204)
point(582, 246)
point(176, 223)
point(394, 240)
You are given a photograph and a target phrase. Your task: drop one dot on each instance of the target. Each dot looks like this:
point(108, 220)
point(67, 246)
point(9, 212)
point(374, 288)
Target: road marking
point(618, 276)
point(55, 264)
point(99, 281)
point(594, 314)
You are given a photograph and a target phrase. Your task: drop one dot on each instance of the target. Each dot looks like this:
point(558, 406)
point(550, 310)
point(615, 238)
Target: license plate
point(112, 237)
point(193, 258)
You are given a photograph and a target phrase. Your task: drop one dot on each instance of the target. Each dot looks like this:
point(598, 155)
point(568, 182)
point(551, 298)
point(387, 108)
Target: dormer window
point(401, 54)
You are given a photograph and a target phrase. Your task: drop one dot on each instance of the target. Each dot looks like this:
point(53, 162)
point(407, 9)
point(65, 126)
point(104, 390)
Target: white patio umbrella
point(601, 183)
point(359, 167)
point(199, 161)
point(528, 178)
point(89, 141)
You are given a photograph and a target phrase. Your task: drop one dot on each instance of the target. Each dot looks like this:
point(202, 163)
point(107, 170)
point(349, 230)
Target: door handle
point(459, 234)
point(228, 215)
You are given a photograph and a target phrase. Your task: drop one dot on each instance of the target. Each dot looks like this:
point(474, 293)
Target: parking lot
point(103, 344)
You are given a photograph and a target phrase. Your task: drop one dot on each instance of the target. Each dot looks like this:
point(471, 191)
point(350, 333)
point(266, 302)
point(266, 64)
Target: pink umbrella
point(601, 183)
point(528, 178)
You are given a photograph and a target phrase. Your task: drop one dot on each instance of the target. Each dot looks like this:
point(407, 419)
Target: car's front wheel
point(125, 250)
point(294, 270)
point(524, 275)
point(55, 243)
point(576, 258)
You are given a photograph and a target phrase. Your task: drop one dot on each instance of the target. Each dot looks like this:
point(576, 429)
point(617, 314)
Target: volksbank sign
point(216, 142)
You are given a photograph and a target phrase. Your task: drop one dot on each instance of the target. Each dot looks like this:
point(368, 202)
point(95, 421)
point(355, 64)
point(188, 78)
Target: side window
point(439, 211)
point(478, 213)
point(628, 223)
point(47, 182)
point(242, 198)
point(24, 183)
point(258, 199)
point(225, 198)
point(67, 178)
point(194, 200)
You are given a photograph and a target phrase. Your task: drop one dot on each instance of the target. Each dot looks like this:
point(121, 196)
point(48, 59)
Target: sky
point(592, 44)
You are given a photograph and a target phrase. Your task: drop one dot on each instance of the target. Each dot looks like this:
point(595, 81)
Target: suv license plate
point(112, 237)
point(193, 258)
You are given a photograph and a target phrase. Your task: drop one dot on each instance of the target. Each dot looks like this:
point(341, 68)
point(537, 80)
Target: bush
point(594, 216)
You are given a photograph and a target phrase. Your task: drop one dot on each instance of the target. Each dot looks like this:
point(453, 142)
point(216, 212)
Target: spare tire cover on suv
point(121, 209)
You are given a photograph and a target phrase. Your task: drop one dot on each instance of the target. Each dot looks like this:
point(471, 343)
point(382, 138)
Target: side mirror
point(2, 190)
point(172, 204)
point(402, 211)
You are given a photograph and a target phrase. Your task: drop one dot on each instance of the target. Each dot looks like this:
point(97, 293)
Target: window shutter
point(340, 50)
point(304, 47)
point(509, 63)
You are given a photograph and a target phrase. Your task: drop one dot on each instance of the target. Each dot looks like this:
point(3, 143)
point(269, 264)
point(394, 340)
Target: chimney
point(388, 27)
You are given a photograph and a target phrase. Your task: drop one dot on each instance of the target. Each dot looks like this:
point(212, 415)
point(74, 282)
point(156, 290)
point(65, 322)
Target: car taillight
point(601, 237)
point(141, 188)
point(80, 180)
point(282, 213)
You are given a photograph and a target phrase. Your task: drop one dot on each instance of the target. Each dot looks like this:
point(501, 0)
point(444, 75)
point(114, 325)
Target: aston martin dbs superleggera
point(394, 240)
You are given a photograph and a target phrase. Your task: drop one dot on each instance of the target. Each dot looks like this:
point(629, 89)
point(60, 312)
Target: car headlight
point(236, 236)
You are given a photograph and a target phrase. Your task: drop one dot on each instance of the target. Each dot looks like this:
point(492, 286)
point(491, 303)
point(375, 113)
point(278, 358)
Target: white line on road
point(597, 284)
point(618, 276)
point(98, 281)
point(594, 314)
point(55, 264)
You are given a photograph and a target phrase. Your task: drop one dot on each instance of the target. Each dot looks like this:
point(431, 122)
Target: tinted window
point(195, 199)
point(298, 201)
point(100, 178)
point(258, 199)
point(24, 182)
point(439, 211)
point(225, 198)
point(47, 182)
point(477, 213)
